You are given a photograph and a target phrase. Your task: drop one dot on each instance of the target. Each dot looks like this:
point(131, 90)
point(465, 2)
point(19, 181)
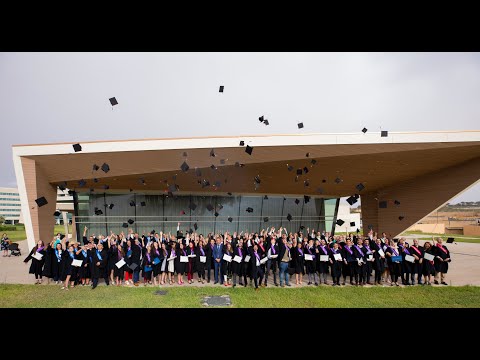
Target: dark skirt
point(428, 268)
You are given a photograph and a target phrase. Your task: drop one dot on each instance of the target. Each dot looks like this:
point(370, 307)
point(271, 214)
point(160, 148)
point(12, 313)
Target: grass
point(31, 296)
point(20, 233)
point(458, 238)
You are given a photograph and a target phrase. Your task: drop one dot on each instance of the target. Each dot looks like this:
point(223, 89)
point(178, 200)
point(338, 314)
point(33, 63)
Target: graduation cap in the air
point(95, 167)
point(62, 186)
point(257, 179)
point(313, 161)
point(358, 230)
point(113, 101)
point(338, 180)
point(205, 183)
point(401, 218)
point(305, 170)
point(213, 167)
point(340, 222)
point(230, 219)
point(132, 203)
point(184, 167)
point(384, 133)
point(105, 168)
point(382, 204)
point(172, 188)
point(306, 198)
point(95, 180)
point(221, 88)
point(249, 150)
point(82, 183)
point(216, 214)
point(130, 221)
point(192, 206)
point(289, 167)
point(360, 187)
point(324, 181)
point(297, 201)
point(229, 193)
point(195, 226)
point(396, 202)
point(77, 147)
point(143, 203)
point(307, 154)
point(289, 217)
point(265, 197)
point(352, 223)
point(265, 219)
point(351, 200)
point(300, 125)
point(266, 122)
point(98, 212)
point(106, 187)
point(125, 225)
point(450, 240)
point(306, 183)
point(111, 206)
point(212, 153)
point(299, 171)
point(218, 183)
point(364, 130)
point(209, 207)
point(222, 161)
point(249, 210)
point(242, 143)
point(57, 213)
point(260, 118)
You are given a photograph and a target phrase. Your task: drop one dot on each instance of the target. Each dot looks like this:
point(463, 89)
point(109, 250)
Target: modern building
point(212, 182)
point(10, 205)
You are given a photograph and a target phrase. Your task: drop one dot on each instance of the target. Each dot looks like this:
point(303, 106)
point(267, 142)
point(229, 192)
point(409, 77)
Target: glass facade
point(162, 213)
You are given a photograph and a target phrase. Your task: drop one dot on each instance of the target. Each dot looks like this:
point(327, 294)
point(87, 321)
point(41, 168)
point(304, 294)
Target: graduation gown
point(36, 267)
point(298, 260)
point(99, 270)
point(394, 267)
point(239, 268)
point(56, 264)
point(441, 266)
point(66, 265)
point(157, 268)
point(115, 257)
point(368, 264)
point(147, 266)
point(47, 267)
point(180, 268)
point(322, 266)
point(428, 267)
point(407, 267)
point(191, 266)
point(337, 264)
point(200, 267)
point(310, 265)
point(379, 263)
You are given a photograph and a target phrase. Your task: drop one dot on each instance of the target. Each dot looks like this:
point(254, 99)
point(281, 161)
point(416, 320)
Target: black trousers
point(378, 275)
point(352, 267)
point(210, 267)
point(242, 273)
point(417, 269)
point(271, 264)
point(257, 272)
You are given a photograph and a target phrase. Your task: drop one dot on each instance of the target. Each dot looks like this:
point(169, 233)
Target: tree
point(2, 220)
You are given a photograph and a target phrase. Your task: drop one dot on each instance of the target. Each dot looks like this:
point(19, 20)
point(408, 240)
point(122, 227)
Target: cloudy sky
point(62, 97)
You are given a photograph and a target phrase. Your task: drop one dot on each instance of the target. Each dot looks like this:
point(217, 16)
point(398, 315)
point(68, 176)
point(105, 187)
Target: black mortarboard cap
point(172, 188)
point(265, 219)
point(249, 150)
point(289, 167)
point(57, 213)
point(324, 181)
point(305, 170)
point(213, 167)
point(302, 227)
point(111, 206)
point(450, 240)
point(221, 89)
point(95, 180)
point(230, 219)
point(257, 179)
point(195, 226)
point(242, 143)
point(133, 266)
point(266, 122)
point(297, 201)
point(216, 214)
point(229, 193)
point(401, 218)
point(95, 167)
point(143, 203)
point(358, 230)
point(306, 198)
point(299, 171)
point(98, 212)
point(289, 217)
point(62, 186)
point(106, 187)
point(130, 221)
point(249, 210)
point(338, 180)
point(132, 203)
point(352, 223)
point(184, 167)
point(82, 183)
point(205, 183)
point(192, 206)
point(125, 225)
point(300, 125)
point(260, 118)
point(313, 161)
point(265, 197)
point(113, 101)
point(360, 187)
point(364, 130)
point(209, 207)
point(212, 153)
point(77, 147)
point(307, 154)
point(105, 168)
point(384, 133)
point(382, 204)
point(395, 240)
point(340, 222)
point(41, 201)
point(351, 200)
point(306, 183)
point(396, 202)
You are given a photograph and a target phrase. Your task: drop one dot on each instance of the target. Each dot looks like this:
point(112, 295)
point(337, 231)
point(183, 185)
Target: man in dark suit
point(217, 258)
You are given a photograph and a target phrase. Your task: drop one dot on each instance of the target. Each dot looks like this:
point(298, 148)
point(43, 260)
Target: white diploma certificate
point(264, 260)
point(227, 258)
point(409, 258)
point(37, 256)
point(247, 258)
point(77, 263)
point(192, 255)
point(325, 257)
point(237, 259)
point(308, 257)
point(370, 257)
point(274, 256)
point(203, 259)
point(120, 264)
point(429, 257)
point(381, 253)
point(337, 257)
point(184, 259)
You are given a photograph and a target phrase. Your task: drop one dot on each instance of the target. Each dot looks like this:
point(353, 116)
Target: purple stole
point(323, 249)
point(406, 251)
point(394, 251)
point(257, 256)
point(202, 252)
point(349, 250)
point(300, 251)
point(240, 252)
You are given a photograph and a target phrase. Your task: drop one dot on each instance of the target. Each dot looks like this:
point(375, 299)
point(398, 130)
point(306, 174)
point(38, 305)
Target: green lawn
point(21, 296)
point(458, 238)
point(20, 234)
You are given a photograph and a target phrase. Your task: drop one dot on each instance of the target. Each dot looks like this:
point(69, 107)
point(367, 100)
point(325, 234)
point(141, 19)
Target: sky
point(63, 97)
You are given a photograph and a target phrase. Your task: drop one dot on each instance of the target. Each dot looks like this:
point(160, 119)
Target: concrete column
point(65, 222)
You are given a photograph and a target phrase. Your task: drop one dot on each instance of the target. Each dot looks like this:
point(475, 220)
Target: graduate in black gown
point(272, 254)
point(99, 265)
point(163, 263)
point(262, 251)
point(180, 267)
point(192, 258)
point(67, 267)
point(298, 261)
point(417, 252)
point(349, 261)
point(407, 265)
point(201, 260)
point(239, 268)
point(369, 259)
point(394, 266)
point(208, 253)
point(336, 261)
point(257, 271)
point(147, 262)
point(428, 268)
point(118, 272)
point(56, 262)
point(322, 266)
point(442, 258)
point(112, 256)
point(157, 257)
point(36, 267)
point(127, 248)
point(310, 265)
point(360, 273)
point(379, 260)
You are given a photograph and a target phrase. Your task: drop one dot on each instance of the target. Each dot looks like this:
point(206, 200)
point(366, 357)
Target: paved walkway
point(464, 268)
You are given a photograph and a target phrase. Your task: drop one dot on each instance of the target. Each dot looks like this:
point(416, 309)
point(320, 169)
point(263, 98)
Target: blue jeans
point(218, 271)
point(136, 275)
point(283, 272)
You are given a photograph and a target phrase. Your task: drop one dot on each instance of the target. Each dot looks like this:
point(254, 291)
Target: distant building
point(345, 214)
point(10, 207)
